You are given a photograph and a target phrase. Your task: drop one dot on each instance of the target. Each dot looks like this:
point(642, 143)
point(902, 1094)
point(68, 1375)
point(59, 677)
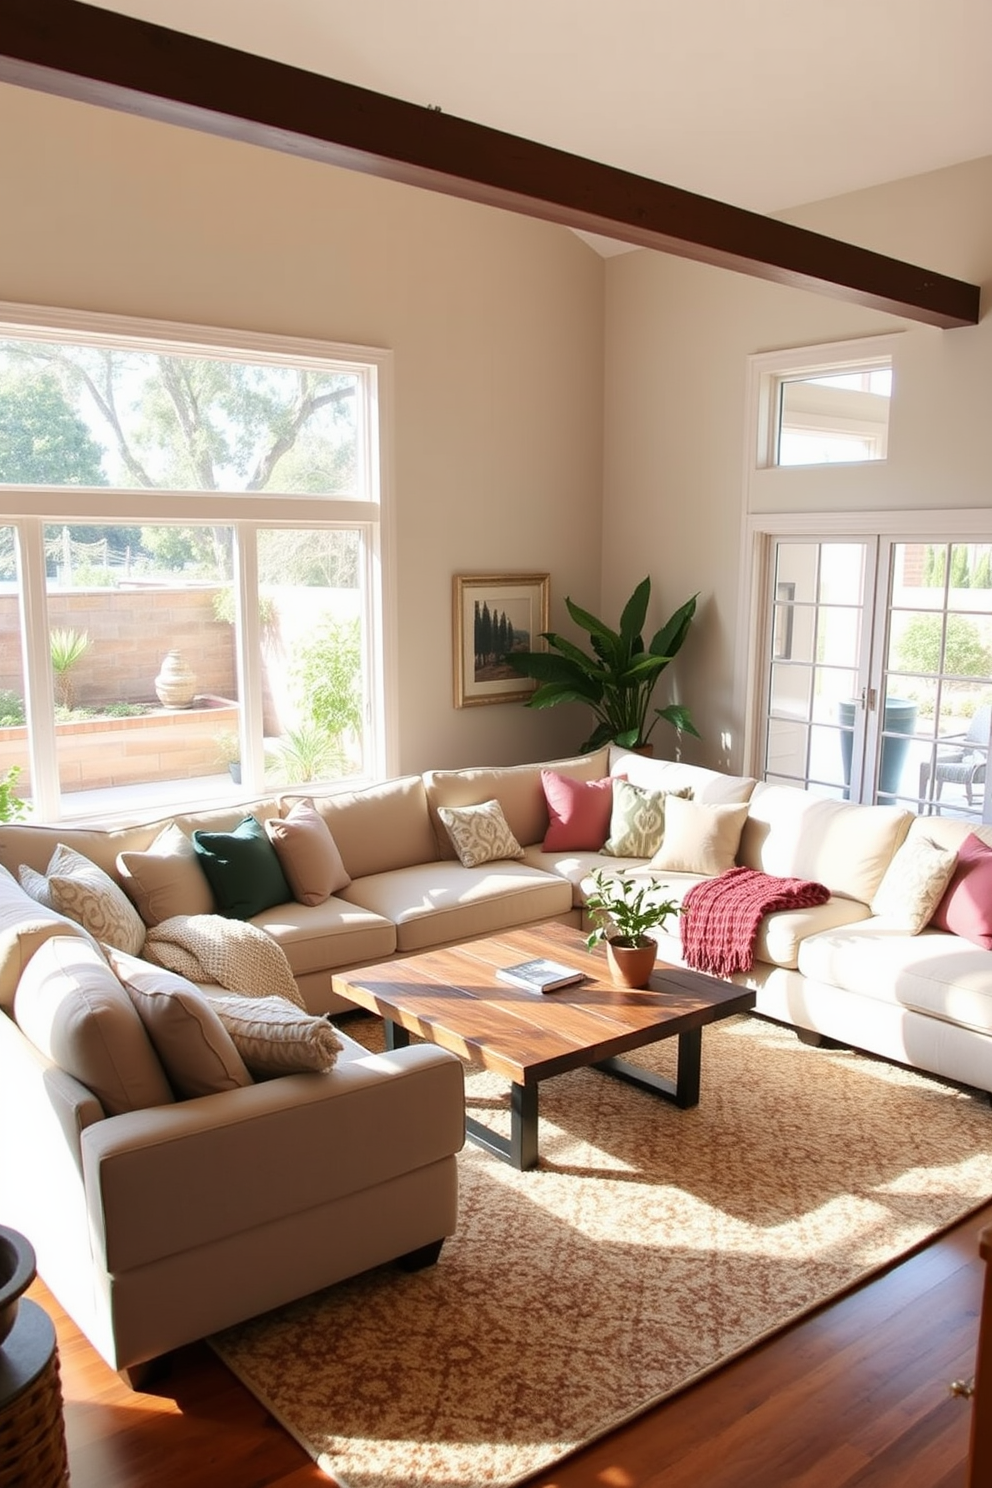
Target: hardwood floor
point(854, 1397)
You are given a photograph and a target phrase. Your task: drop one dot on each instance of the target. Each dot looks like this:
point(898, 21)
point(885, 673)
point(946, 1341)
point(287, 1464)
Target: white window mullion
point(248, 652)
point(39, 699)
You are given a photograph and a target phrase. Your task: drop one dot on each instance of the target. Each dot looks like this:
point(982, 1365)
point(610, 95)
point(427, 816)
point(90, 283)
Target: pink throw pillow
point(966, 908)
point(579, 812)
point(307, 853)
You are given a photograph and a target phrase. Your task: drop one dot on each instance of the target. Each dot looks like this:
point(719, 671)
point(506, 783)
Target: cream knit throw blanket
point(232, 953)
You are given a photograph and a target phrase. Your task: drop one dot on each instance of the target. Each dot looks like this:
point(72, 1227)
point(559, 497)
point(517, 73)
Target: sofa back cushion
point(24, 926)
point(711, 787)
point(793, 834)
point(34, 845)
point(517, 788)
point(382, 827)
point(72, 1007)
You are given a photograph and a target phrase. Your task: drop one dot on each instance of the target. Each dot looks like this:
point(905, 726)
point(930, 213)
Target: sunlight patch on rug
point(649, 1246)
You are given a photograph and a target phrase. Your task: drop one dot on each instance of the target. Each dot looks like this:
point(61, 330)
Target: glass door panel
point(816, 667)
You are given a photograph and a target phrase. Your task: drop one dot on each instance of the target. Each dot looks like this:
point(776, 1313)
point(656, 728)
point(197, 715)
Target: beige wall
point(495, 321)
point(678, 338)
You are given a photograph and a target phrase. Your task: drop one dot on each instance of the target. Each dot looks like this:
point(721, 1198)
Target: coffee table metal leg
point(521, 1150)
point(684, 1089)
point(397, 1037)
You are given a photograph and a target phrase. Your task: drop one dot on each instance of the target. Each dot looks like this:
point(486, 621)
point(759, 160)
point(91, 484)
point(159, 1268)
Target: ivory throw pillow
point(637, 822)
point(699, 838)
point(166, 879)
point(84, 893)
point(196, 1050)
point(243, 869)
point(307, 853)
point(914, 883)
point(480, 834)
point(275, 1038)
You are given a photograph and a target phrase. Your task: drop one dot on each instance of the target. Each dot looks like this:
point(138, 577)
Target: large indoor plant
point(623, 910)
point(617, 678)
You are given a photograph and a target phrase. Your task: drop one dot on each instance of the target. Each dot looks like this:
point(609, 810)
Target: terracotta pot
point(631, 966)
point(17, 1272)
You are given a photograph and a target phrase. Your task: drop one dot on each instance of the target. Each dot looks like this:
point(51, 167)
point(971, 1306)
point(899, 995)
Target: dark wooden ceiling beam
point(97, 56)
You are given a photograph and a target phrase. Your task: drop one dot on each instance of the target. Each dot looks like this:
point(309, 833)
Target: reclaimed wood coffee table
point(452, 997)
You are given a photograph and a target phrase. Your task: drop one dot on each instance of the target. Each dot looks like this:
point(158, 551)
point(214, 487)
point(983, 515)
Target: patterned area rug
point(650, 1245)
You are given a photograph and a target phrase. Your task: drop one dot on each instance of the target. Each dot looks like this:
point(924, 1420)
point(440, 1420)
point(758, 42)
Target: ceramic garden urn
point(17, 1271)
point(175, 685)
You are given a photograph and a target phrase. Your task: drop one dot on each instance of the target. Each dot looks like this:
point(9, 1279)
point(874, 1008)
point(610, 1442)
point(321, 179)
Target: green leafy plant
point(11, 709)
point(625, 909)
point(618, 677)
point(67, 648)
point(12, 808)
point(305, 753)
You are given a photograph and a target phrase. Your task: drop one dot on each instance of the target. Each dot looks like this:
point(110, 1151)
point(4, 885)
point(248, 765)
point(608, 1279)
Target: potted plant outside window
point(624, 910)
point(617, 677)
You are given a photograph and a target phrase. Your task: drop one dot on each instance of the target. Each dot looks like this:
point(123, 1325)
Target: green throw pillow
point(637, 824)
point(243, 869)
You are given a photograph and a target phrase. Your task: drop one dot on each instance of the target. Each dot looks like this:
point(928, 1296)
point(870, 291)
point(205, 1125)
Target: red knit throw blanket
point(723, 916)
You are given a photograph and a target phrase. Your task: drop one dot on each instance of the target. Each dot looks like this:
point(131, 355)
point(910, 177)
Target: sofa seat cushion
point(72, 1007)
point(574, 867)
point(932, 973)
point(793, 834)
point(436, 903)
point(320, 937)
point(781, 935)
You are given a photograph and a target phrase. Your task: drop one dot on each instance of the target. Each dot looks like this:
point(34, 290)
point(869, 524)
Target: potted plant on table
point(624, 910)
point(617, 678)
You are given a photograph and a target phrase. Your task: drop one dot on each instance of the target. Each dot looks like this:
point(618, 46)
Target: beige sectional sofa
point(106, 1199)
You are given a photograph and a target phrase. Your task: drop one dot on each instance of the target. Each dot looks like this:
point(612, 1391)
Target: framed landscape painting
point(495, 615)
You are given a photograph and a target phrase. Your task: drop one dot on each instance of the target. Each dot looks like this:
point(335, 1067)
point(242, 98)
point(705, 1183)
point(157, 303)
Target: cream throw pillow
point(197, 1052)
point(84, 893)
point(166, 879)
point(914, 883)
point(480, 834)
point(637, 824)
point(275, 1038)
point(698, 838)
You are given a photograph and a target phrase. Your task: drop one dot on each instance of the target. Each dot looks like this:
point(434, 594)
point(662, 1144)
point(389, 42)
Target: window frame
point(29, 508)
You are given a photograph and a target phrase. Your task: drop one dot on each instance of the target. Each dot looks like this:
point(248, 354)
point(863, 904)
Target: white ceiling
point(765, 104)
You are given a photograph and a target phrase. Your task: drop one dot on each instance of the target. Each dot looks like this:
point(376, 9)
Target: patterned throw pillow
point(637, 823)
point(275, 1038)
point(35, 884)
point(480, 834)
point(84, 893)
point(914, 883)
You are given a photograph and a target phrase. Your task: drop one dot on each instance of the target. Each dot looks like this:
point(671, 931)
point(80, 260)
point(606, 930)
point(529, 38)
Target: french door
point(876, 670)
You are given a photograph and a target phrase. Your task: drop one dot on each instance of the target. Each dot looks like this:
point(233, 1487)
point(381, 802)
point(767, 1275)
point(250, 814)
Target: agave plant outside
point(618, 678)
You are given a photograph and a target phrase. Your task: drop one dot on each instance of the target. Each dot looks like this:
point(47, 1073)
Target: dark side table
point(32, 1430)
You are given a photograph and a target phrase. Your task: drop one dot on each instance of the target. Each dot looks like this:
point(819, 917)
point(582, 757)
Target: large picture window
point(190, 565)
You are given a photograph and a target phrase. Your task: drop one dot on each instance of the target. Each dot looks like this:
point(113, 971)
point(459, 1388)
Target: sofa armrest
point(164, 1180)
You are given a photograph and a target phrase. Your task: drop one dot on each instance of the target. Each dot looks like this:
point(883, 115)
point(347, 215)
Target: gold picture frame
point(521, 601)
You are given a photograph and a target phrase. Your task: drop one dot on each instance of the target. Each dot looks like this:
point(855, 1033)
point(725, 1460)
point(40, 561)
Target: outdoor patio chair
point(961, 760)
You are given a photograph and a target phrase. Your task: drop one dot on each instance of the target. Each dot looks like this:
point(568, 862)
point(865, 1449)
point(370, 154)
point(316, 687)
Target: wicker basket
point(32, 1432)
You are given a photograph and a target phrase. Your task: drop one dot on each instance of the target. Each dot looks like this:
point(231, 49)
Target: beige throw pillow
point(914, 883)
point(196, 1050)
point(480, 834)
point(275, 1038)
point(166, 879)
point(698, 838)
point(72, 1007)
point(308, 854)
point(84, 893)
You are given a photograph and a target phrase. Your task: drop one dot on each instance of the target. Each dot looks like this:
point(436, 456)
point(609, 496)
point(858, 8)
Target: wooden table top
point(451, 997)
